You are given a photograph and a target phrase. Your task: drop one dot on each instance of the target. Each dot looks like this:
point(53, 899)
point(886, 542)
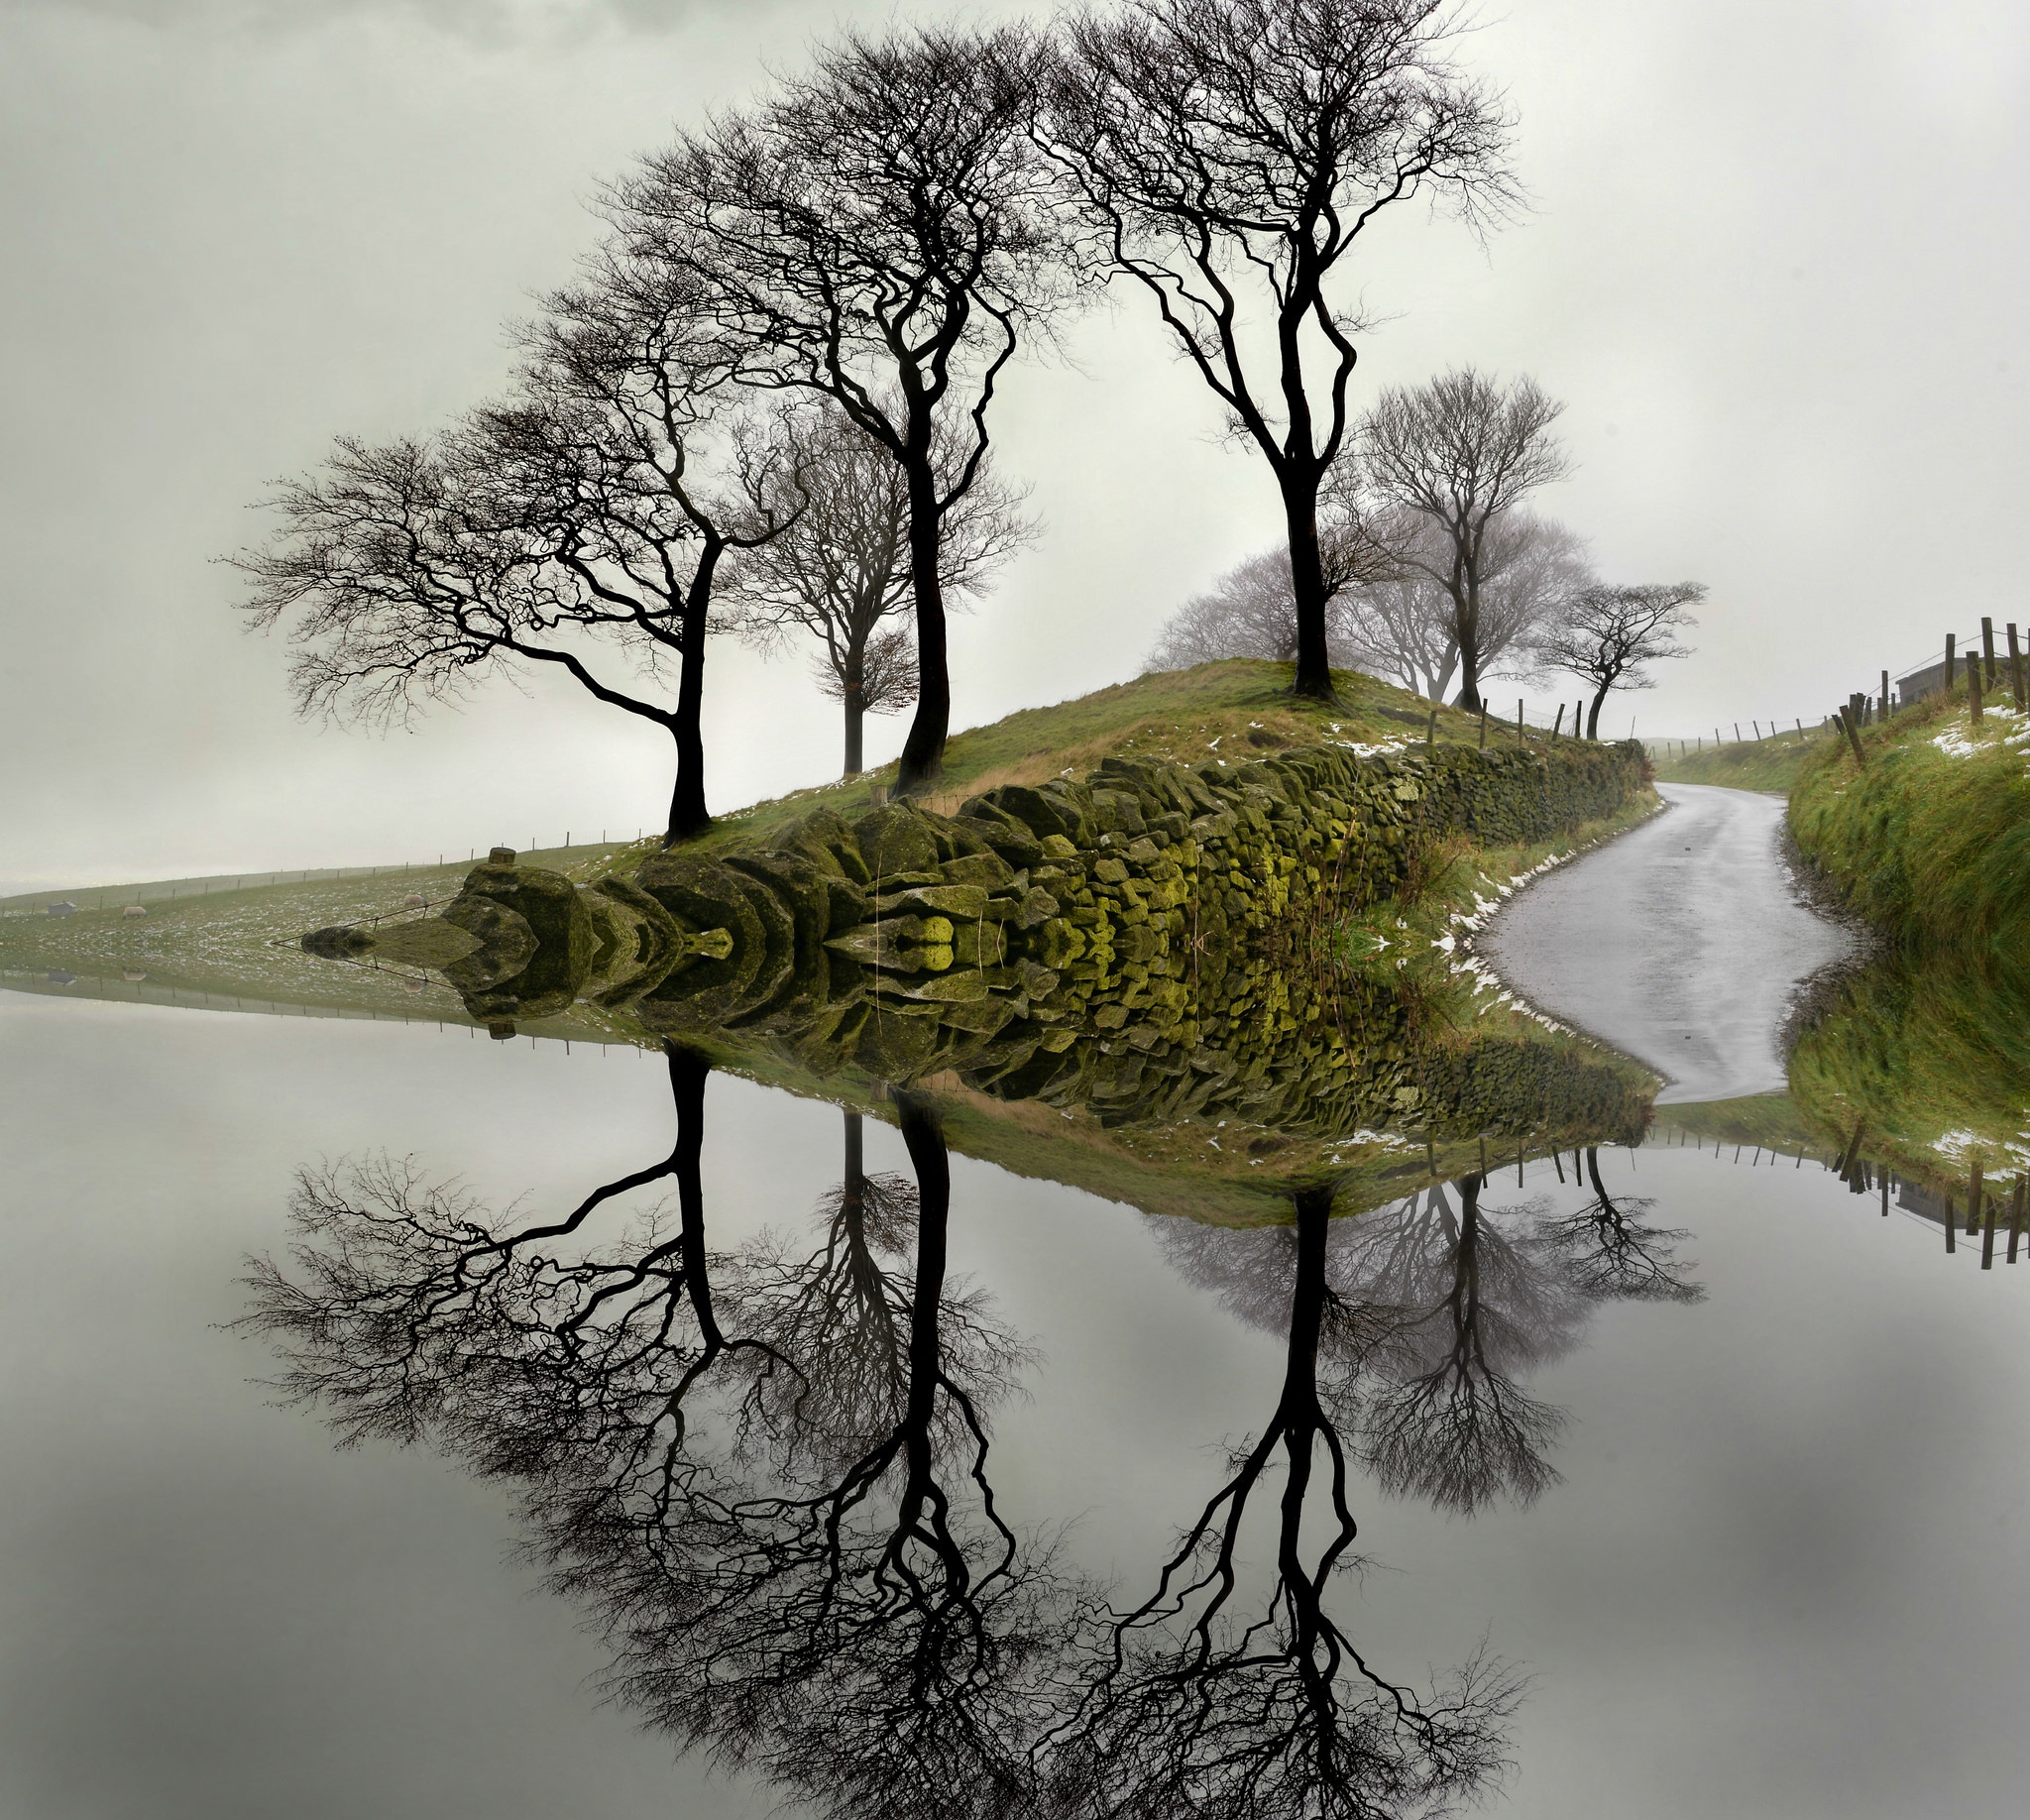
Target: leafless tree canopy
point(1459, 454)
point(881, 232)
point(588, 509)
point(840, 573)
point(1227, 155)
point(1214, 1704)
point(1610, 634)
point(1404, 626)
point(1438, 1309)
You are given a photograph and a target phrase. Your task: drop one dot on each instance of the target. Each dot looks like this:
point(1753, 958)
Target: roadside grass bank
point(1929, 840)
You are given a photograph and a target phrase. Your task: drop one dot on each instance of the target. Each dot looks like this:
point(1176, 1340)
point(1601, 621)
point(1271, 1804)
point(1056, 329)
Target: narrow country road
point(1680, 942)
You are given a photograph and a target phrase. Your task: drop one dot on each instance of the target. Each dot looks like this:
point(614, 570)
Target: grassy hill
point(1773, 764)
point(236, 938)
point(1216, 714)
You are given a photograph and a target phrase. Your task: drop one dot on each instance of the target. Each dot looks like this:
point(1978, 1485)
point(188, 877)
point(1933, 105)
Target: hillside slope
point(1930, 840)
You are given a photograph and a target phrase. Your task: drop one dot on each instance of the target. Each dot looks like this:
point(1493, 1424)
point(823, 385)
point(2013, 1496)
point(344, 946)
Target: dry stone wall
point(1145, 943)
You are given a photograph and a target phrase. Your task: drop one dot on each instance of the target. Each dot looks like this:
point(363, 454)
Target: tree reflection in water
point(1440, 1308)
point(763, 1468)
point(1212, 1701)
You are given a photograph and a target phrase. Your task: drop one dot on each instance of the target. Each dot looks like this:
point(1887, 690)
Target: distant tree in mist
point(1387, 614)
point(1405, 625)
point(1249, 611)
point(839, 574)
point(1609, 635)
point(1458, 455)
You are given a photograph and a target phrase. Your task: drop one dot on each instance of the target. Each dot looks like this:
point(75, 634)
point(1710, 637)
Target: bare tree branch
point(1226, 155)
point(1609, 634)
point(881, 233)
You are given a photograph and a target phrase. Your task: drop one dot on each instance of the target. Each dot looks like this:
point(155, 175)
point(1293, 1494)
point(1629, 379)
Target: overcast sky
point(1775, 257)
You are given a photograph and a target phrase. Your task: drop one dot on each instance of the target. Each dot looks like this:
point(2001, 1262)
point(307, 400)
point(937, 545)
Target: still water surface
point(1725, 1492)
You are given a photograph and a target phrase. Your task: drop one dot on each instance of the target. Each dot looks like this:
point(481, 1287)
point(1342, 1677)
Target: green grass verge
point(1930, 840)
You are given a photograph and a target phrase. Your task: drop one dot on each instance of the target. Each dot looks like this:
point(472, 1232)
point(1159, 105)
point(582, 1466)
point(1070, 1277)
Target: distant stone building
point(1915, 684)
point(62, 908)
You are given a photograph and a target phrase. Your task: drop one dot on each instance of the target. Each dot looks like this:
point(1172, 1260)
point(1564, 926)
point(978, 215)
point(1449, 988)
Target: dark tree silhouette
point(1606, 635)
point(1227, 155)
point(593, 505)
point(1205, 1706)
point(879, 232)
point(1453, 457)
point(839, 574)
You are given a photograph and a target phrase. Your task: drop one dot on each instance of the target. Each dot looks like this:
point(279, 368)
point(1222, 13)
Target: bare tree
point(1609, 635)
point(1459, 454)
point(841, 572)
point(1228, 154)
point(591, 507)
point(1403, 625)
point(881, 233)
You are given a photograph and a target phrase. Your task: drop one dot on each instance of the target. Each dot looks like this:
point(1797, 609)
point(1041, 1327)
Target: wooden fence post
point(2016, 669)
point(1886, 695)
point(1951, 639)
point(1483, 727)
point(1852, 738)
point(1973, 693)
point(2015, 1220)
point(1988, 649)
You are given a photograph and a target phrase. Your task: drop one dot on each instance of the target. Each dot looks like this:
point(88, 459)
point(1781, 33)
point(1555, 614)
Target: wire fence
point(1999, 656)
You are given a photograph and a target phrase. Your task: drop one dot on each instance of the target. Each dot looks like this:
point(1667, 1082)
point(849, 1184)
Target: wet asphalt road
point(1681, 944)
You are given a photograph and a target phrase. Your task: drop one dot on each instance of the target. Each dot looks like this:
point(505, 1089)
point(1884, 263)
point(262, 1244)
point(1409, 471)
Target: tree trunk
point(688, 816)
point(923, 1135)
point(855, 1173)
point(1469, 651)
point(852, 693)
point(923, 752)
point(688, 1070)
point(1307, 589)
point(1593, 715)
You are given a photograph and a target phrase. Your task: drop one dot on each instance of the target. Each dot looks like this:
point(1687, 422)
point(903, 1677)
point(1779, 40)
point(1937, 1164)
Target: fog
point(1771, 264)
